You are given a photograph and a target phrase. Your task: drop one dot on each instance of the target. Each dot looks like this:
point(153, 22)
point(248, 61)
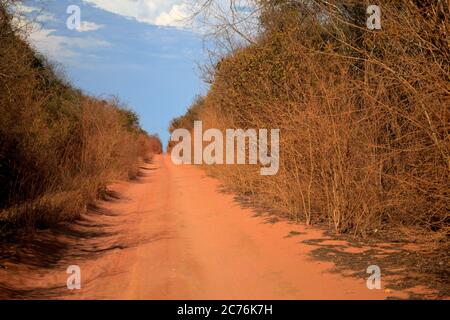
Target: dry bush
point(152, 143)
point(58, 147)
point(364, 115)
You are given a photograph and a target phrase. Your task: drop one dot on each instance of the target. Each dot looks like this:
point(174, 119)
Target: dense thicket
point(364, 115)
point(58, 147)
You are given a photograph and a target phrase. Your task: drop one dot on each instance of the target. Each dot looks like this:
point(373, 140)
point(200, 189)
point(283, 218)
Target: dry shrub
point(58, 147)
point(364, 115)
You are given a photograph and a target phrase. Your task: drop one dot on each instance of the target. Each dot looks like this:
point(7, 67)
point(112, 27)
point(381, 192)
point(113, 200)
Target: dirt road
point(184, 239)
point(208, 247)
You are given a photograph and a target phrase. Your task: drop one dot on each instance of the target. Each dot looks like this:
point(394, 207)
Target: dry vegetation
point(58, 147)
point(364, 115)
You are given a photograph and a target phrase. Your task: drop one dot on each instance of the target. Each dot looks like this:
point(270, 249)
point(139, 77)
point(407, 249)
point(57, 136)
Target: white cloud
point(89, 26)
point(33, 13)
point(175, 17)
point(50, 45)
point(46, 17)
point(61, 47)
point(22, 8)
point(172, 13)
point(58, 47)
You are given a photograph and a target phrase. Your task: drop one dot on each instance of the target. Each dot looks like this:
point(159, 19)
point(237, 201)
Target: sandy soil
point(173, 235)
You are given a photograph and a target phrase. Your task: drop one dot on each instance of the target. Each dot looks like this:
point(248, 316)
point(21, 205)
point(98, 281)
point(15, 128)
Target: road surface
point(174, 235)
point(204, 245)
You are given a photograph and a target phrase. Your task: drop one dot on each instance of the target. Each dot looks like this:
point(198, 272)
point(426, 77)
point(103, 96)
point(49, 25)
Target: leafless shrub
point(363, 114)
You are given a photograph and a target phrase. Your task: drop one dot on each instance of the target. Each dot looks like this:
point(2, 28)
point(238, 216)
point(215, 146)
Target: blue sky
point(134, 49)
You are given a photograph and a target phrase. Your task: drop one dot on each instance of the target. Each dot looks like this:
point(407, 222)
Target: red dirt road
point(211, 248)
point(190, 241)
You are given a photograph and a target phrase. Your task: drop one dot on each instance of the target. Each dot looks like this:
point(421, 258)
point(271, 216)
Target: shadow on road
point(25, 256)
